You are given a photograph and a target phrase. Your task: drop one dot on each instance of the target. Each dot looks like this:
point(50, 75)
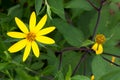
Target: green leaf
point(69, 73)
point(3, 65)
point(59, 76)
point(113, 40)
point(15, 11)
point(48, 70)
point(48, 9)
point(101, 67)
point(38, 4)
point(71, 58)
point(52, 62)
point(57, 7)
point(80, 77)
point(87, 43)
point(81, 4)
point(115, 75)
point(21, 74)
point(70, 33)
point(37, 65)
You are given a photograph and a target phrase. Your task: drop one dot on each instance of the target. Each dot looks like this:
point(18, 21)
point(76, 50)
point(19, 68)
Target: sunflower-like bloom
point(99, 40)
point(30, 36)
point(92, 77)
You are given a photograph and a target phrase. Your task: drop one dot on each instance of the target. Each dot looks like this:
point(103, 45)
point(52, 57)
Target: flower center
point(30, 36)
point(100, 38)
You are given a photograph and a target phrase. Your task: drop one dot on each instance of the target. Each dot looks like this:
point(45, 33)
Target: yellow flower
point(99, 40)
point(30, 36)
point(92, 77)
point(113, 59)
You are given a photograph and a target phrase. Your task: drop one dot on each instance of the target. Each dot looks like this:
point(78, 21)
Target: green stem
point(9, 75)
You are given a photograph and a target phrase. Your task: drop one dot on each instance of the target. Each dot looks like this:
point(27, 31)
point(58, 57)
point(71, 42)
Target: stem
point(96, 25)
point(84, 68)
point(70, 49)
point(62, 51)
point(111, 61)
point(98, 18)
point(60, 63)
point(111, 55)
point(80, 61)
point(92, 5)
point(82, 49)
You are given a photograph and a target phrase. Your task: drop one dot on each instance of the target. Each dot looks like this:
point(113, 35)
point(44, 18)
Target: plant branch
point(60, 63)
point(96, 25)
point(111, 55)
point(111, 61)
point(98, 18)
point(84, 68)
point(82, 49)
point(80, 61)
point(92, 5)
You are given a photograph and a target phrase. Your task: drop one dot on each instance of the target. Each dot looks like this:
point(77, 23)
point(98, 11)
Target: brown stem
point(92, 5)
point(111, 61)
point(111, 55)
point(60, 63)
point(80, 61)
point(98, 18)
point(84, 49)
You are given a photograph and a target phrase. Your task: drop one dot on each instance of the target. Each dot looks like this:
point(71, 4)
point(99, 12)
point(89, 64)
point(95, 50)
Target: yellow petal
point(21, 25)
point(41, 23)
point(35, 49)
point(113, 59)
point(16, 34)
point(97, 48)
point(45, 31)
point(45, 40)
point(18, 46)
point(27, 51)
point(32, 21)
point(92, 77)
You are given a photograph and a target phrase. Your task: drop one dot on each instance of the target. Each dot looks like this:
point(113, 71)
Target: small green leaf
point(48, 9)
point(80, 77)
point(38, 4)
point(37, 65)
point(87, 43)
point(15, 11)
point(59, 76)
point(69, 73)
